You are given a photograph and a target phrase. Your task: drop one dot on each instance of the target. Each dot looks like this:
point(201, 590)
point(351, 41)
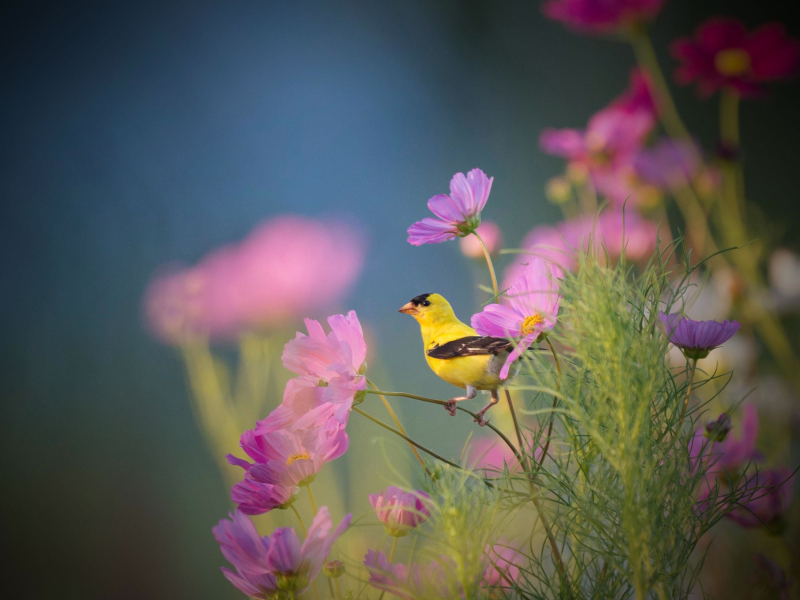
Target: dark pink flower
point(697, 338)
point(491, 235)
point(602, 16)
point(280, 562)
point(400, 511)
point(766, 495)
point(723, 54)
point(529, 309)
point(285, 268)
point(412, 582)
point(458, 214)
point(503, 568)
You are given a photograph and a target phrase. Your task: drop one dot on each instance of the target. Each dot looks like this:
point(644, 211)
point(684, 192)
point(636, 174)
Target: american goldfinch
point(456, 353)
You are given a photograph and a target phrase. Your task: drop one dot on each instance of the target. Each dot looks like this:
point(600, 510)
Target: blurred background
point(135, 135)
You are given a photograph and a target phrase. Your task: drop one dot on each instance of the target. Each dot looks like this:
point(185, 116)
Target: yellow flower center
point(297, 456)
point(530, 323)
point(732, 62)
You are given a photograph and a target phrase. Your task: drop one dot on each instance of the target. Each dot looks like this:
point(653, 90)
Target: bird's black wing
point(473, 345)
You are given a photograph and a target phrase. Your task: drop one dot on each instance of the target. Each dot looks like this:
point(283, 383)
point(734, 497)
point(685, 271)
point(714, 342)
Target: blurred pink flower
point(400, 511)
point(286, 267)
point(491, 235)
point(491, 456)
point(503, 568)
point(766, 496)
point(529, 308)
point(640, 95)
point(410, 582)
point(560, 244)
point(723, 54)
point(669, 164)
point(737, 450)
point(331, 369)
point(457, 214)
point(602, 16)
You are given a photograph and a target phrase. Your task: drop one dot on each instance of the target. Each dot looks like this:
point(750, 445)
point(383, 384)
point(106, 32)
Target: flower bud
point(333, 568)
point(718, 430)
point(558, 190)
point(490, 234)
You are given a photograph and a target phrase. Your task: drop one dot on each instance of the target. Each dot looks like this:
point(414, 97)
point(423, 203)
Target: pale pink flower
point(491, 235)
point(457, 214)
point(528, 310)
point(400, 511)
point(286, 267)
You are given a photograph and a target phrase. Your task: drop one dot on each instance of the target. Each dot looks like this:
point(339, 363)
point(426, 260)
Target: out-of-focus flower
point(491, 455)
point(697, 338)
point(287, 267)
point(331, 369)
point(723, 54)
point(736, 450)
point(640, 95)
point(458, 214)
point(770, 573)
point(529, 309)
point(669, 165)
point(784, 278)
point(612, 232)
point(490, 234)
point(280, 562)
point(767, 495)
point(410, 582)
point(719, 428)
point(333, 568)
point(558, 190)
point(284, 461)
point(602, 16)
point(503, 569)
point(400, 511)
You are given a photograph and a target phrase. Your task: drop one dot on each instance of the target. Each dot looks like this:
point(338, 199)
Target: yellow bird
point(456, 353)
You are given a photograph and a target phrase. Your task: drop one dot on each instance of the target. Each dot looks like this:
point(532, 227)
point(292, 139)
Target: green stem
point(399, 425)
point(688, 393)
point(555, 402)
point(299, 518)
point(391, 554)
point(330, 588)
point(729, 117)
point(338, 589)
point(311, 498)
point(489, 264)
point(442, 403)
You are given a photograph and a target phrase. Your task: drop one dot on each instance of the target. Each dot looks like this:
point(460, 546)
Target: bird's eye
point(426, 303)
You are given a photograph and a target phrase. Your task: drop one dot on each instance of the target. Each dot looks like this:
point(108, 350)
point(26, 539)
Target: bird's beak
point(408, 309)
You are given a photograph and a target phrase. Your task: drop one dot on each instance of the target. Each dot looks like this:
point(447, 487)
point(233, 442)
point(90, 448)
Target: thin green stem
point(555, 403)
point(391, 558)
point(311, 498)
point(729, 117)
point(517, 430)
point(338, 589)
point(314, 587)
point(330, 587)
point(399, 425)
point(688, 393)
point(489, 264)
point(299, 518)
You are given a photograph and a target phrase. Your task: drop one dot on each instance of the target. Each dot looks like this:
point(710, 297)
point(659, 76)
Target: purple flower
point(697, 338)
point(400, 511)
point(602, 16)
point(409, 582)
point(529, 309)
point(458, 214)
point(266, 565)
point(669, 165)
point(766, 497)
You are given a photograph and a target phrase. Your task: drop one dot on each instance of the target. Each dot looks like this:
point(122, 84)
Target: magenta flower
point(640, 95)
point(458, 214)
point(491, 235)
point(266, 565)
point(602, 16)
point(669, 165)
point(766, 497)
point(503, 569)
point(285, 268)
point(529, 310)
point(400, 511)
point(723, 54)
point(697, 338)
point(331, 369)
point(410, 582)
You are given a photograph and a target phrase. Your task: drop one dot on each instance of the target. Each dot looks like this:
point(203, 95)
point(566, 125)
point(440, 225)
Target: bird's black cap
point(421, 300)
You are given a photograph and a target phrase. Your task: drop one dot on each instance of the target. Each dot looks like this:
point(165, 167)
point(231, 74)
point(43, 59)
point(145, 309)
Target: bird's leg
point(479, 419)
point(450, 405)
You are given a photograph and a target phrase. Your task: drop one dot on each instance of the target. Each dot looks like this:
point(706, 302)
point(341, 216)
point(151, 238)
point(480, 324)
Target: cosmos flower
point(410, 582)
point(529, 309)
point(458, 214)
point(766, 495)
point(697, 338)
point(490, 234)
point(331, 369)
point(723, 54)
point(280, 562)
point(400, 511)
point(602, 16)
point(503, 565)
point(669, 164)
point(286, 267)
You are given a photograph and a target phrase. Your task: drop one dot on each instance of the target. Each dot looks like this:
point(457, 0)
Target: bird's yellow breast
point(479, 371)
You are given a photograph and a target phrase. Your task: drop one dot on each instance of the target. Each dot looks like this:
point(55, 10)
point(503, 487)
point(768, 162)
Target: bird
point(457, 354)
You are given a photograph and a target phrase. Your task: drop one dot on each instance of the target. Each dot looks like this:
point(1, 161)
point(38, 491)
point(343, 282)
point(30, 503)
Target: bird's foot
point(450, 406)
point(481, 421)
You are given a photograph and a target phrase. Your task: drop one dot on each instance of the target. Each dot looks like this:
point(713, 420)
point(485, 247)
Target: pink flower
point(266, 565)
point(697, 338)
point(766, 496)
point(331, 369)
point(491, 235)
point(723, 54)
point(669, 165)
point(503, 569)
point(640, 95)
point(286, 267)
point(492, 456)
point(458, 214)
point(400, 511)
point(529, 309)
point(602, 16)
point(410, 582)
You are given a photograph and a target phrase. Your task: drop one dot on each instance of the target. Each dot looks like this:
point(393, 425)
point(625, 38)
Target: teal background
point(135, 134)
